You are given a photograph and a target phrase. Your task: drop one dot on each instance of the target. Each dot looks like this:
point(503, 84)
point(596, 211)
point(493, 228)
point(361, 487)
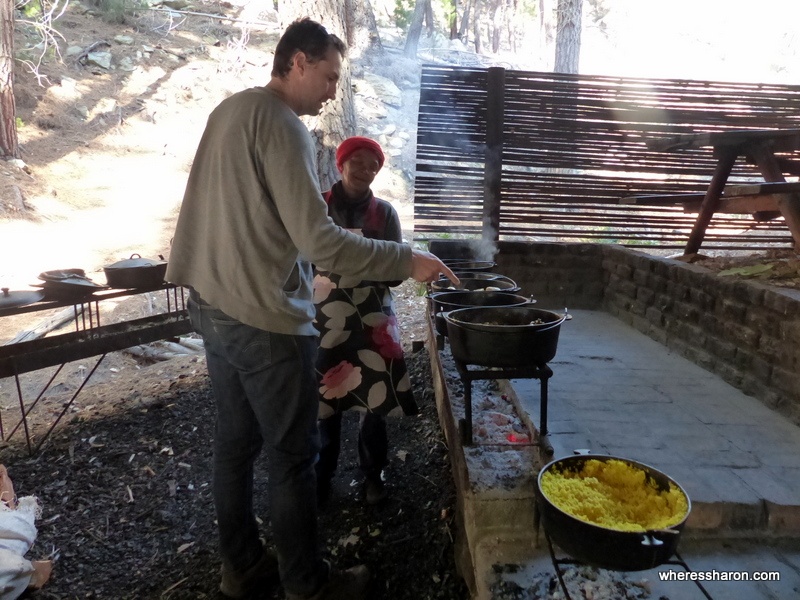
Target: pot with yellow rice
point(611, 512)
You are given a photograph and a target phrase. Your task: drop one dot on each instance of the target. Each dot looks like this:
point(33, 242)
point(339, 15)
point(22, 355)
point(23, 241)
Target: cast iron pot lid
point(13, 299)
point(63, 274)
point(135, 261)
point(67, 279)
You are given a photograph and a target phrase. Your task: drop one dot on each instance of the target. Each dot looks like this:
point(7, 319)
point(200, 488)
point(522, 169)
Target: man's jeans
point(266, 394)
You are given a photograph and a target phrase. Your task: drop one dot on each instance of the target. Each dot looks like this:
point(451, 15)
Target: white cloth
point(17, 534)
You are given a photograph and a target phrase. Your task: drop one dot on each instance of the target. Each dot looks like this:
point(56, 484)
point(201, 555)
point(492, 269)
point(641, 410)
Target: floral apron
point(360, 359)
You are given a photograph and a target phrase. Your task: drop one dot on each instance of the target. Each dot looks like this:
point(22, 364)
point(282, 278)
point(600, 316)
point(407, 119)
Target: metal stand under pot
point(542, 373)
point(559, 562)
point(514, 342)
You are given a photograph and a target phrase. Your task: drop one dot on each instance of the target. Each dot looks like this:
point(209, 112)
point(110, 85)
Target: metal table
point(88, 339)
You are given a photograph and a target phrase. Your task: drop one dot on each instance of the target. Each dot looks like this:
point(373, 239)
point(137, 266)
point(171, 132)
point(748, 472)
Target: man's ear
point(300, 61)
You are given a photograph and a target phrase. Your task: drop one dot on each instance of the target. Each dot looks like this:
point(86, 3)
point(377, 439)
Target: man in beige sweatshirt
point(252, 221)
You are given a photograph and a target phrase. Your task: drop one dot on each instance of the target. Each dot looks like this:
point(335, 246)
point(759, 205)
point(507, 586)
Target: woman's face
point(359, 171)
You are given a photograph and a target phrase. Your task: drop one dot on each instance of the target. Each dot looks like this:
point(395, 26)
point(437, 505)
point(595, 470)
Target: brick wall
point(556, 275)
point(746, 332)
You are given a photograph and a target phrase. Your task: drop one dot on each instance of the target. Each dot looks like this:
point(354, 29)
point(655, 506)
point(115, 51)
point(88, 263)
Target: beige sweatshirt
point(253, 219)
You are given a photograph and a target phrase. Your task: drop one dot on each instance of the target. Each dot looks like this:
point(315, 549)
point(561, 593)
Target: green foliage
point(31, 9)
point(529, 9)
point(450, 13)
point(19, 123)
point(403, 13)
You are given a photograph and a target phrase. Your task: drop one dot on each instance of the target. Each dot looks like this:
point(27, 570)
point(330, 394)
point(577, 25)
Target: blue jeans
point(266, 395)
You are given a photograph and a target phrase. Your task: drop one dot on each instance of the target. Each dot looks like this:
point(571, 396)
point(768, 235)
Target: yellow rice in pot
point(615, 495)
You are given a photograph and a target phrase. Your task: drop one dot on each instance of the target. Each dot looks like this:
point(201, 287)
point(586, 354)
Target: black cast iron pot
point(601, 546)
point(136, 272)
point(465, 264)
point(444, 302)
point(486, 275)
point(500, 283)
point(504, 337)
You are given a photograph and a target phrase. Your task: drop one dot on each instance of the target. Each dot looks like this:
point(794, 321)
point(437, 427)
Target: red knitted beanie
point(357, 142)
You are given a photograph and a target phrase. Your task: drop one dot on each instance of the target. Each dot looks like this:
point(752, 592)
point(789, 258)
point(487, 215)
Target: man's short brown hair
point(308, 37)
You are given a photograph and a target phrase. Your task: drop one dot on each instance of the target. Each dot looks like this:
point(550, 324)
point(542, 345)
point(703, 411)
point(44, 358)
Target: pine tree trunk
point(568, 36)
point(476, 30)
point(510, 22)
point(454, 20)
point(546, 38)
point(9, 144)
point(362, 28)
point(429, 23)
point(463, 30)
point(415, 29)
point(496, 25)
point(337, 120)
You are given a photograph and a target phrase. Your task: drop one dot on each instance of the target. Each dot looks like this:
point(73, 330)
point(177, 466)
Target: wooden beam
point(662, 200)
point(740, 206)
point(493, 167)
point(760, 189)
point(768, 164)
point(76, 345)
point(711, 201)
point(783, 140)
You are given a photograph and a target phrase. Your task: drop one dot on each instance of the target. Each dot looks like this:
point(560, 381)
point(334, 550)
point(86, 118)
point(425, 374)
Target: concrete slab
point(616, 391)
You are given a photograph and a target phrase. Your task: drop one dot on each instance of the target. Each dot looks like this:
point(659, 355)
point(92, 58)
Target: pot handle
point(553, 325)
point(649, 537)
point(649, 540)
point(434, 307)
point(136, 255)
point(666, 531)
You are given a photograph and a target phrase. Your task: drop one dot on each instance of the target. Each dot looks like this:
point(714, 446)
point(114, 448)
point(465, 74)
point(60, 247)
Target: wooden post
point(788, 205)
point(493, 166)
point(725, 159)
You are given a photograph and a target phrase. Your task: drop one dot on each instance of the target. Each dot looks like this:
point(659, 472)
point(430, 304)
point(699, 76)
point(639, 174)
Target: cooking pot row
point(443, 302)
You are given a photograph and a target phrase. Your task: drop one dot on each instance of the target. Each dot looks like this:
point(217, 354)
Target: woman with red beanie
point(360, 361)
